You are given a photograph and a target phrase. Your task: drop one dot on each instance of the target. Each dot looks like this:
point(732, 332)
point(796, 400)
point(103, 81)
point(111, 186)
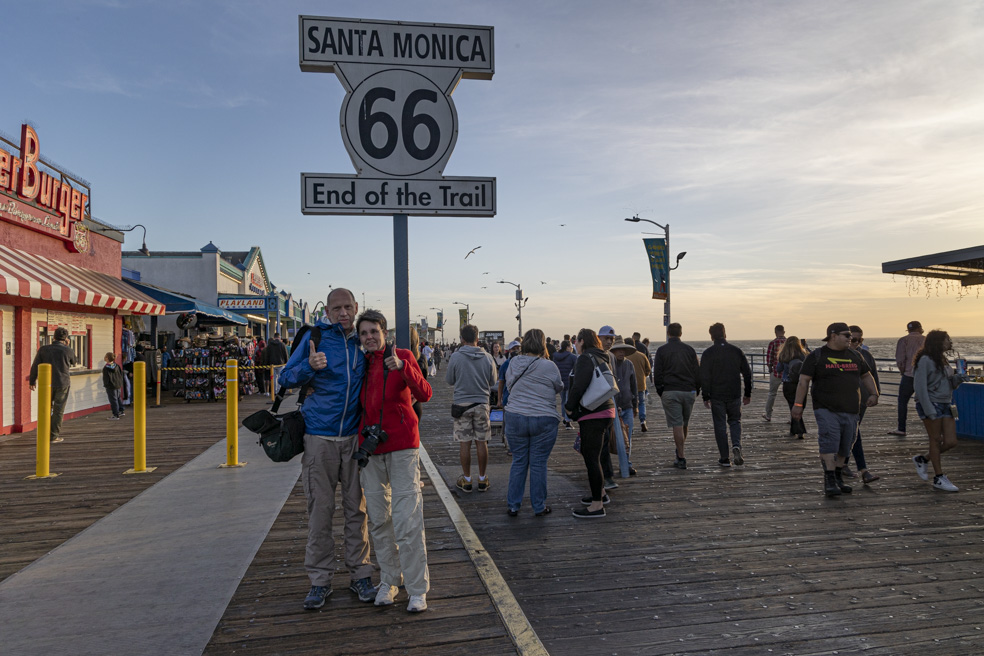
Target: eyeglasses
point(857, 340)
point(848, 335)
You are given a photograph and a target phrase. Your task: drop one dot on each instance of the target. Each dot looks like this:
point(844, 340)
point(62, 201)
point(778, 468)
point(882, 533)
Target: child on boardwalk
point(112, 377)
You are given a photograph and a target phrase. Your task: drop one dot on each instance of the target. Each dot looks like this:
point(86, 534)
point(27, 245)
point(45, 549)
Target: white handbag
point(601, 388)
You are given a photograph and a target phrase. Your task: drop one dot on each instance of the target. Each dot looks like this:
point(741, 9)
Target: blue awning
point(178, 303)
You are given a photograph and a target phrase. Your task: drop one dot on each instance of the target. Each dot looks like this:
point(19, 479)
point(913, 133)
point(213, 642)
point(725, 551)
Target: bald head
point(342, 307)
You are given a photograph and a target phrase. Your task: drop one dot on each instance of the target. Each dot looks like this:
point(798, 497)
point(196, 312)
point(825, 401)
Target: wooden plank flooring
point(38, 515)
point(752, 560)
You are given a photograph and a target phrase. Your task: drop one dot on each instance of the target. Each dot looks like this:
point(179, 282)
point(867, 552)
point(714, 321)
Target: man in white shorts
point(471, 370)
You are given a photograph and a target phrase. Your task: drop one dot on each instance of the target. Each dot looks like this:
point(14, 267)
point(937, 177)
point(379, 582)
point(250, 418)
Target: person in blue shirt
point(334, 368)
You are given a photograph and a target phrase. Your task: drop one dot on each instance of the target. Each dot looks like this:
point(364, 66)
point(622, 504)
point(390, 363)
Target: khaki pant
point(396, 519)
point(326, 463)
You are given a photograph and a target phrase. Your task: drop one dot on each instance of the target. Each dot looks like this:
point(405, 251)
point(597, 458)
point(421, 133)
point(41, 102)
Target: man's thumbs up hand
point(318, 361)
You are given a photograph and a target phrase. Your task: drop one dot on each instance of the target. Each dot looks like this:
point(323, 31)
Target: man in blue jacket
point(334, 369)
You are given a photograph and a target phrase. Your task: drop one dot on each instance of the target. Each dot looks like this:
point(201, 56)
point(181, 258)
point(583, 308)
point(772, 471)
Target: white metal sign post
point(398, 124)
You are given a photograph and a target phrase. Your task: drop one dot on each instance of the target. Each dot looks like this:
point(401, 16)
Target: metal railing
point(889, 384)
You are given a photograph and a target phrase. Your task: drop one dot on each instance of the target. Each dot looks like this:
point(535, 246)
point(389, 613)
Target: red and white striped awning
point(34, 276)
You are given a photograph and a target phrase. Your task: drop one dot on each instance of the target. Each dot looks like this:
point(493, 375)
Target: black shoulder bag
point(282, 436)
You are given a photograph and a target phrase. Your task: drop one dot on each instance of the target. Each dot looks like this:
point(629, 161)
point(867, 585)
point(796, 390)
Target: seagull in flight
point(472, 251)
point(542, 283)
point(484, 287)
point(485, 273)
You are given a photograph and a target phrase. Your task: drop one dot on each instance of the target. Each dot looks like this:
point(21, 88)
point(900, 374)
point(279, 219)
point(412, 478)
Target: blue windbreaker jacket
point(332, 406)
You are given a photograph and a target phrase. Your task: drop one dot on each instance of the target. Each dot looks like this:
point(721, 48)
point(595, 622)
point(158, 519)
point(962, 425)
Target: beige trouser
point(326, 463)
point(396, 518)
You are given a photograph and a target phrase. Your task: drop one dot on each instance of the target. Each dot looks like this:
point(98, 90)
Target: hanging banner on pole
point(462, 316)
point(440, 321)
point(658, 265)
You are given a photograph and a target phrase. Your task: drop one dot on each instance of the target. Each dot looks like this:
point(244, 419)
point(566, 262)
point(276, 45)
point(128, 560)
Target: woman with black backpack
point(790, 361)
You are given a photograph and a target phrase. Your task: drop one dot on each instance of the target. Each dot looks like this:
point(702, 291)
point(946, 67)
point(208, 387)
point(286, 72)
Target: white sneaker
point(385, 594)
point(921, 467)
point(941, 482)
point(418, 603)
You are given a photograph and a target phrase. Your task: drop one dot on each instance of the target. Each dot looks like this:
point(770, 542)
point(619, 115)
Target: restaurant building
point(58, 268)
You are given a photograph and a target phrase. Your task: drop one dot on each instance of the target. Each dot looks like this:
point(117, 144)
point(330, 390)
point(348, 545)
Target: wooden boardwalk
point(751, 560)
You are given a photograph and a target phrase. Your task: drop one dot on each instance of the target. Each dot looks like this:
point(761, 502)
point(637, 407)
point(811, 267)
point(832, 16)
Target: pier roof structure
point(965, 265)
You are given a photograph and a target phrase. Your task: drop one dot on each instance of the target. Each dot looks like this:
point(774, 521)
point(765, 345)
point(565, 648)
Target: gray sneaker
point(610, 484)
point(736, 455)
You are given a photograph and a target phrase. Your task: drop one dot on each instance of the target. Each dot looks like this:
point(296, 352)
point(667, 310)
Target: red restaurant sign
point(32, 198)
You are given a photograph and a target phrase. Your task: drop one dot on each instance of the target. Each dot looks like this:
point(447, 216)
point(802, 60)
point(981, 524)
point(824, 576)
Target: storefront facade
point(234, 281)
point(58, 268)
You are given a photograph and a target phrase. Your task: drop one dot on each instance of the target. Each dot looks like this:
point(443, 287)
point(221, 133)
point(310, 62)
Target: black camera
point(372, 436)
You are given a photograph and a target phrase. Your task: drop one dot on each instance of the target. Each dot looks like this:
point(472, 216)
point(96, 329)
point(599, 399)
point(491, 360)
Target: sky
point(790, 147)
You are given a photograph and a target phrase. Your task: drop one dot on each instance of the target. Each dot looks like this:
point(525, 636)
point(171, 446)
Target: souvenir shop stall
point(196, 367)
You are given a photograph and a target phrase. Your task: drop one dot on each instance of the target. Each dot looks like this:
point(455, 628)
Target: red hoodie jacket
point(402, 387)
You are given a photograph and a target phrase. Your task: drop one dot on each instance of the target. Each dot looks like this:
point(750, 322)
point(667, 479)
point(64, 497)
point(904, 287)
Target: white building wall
point(7, 363)
point(194, 275)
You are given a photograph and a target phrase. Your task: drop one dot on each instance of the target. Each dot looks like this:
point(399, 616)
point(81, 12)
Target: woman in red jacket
point(391, 472)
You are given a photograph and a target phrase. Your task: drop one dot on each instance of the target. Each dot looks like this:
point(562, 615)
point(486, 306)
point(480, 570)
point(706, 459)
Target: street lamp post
point(520, 303)
point(666, 236)
point(443, 319)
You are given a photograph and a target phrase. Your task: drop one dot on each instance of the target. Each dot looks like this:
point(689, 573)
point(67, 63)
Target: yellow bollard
point(232, 415)
point(158, 386)
point(272, 382)
point(140, 420)
point(44, 423)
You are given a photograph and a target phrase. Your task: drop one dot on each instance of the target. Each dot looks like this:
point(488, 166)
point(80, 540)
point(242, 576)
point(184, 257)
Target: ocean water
point(883, 348)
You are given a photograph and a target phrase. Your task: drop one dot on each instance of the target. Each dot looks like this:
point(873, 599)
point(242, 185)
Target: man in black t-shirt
point(837, 374)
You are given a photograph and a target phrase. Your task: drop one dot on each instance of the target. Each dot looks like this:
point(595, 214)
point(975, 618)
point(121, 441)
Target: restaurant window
point(78, 343)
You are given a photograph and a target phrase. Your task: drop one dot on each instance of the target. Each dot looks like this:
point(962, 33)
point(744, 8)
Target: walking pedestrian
point(627, 398)
point(643, 367)
point(857, 451)
point(531, 421)
point(472, 373)
point(62, 358)
point(837, 374)
point(905, 354)
point(112, 379)
point(722, 368)
point(594, 424)
point(676, 378)
point(775, 380)
point(789, 363)
point(934, 382)
point(565, 359)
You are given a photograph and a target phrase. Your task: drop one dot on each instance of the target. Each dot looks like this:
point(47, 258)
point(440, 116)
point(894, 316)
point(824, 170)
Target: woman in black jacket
point(593, 424)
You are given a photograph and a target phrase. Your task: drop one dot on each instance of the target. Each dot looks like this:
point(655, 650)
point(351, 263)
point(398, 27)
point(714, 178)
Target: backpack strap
point(315, 338)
